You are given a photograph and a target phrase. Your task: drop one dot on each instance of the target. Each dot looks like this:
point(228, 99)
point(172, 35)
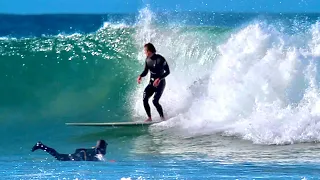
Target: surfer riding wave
point(159, 69)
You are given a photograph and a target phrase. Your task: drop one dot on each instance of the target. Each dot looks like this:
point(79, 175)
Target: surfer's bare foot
point(163, 119)
point(36, 146)
point(148, 120)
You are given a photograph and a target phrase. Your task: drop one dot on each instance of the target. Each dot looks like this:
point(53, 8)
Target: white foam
point(123, 178)
point(114, 25)
point(73, 35)
point(7, 38)
point(260, 84)
point(4, 38)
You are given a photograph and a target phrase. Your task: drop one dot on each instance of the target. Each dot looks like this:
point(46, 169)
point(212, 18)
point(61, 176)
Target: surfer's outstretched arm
point(145, 71)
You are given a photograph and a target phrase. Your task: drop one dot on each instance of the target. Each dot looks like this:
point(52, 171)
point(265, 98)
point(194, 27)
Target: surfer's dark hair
point(150, 47)
point(102, 145)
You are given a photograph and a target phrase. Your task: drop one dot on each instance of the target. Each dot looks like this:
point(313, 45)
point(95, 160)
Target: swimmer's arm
point(145, 71)
point(166, 69)
point(98, 151)
point(79, 150)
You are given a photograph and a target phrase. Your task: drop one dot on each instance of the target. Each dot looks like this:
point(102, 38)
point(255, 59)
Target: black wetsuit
point(78, 155)
point(159, 68)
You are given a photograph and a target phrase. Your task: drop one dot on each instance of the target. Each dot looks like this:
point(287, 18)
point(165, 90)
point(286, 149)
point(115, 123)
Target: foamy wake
point(260, 84)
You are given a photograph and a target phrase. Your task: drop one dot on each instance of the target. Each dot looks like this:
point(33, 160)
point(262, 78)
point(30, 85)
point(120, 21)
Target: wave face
point(248, 75)
point(65, 76)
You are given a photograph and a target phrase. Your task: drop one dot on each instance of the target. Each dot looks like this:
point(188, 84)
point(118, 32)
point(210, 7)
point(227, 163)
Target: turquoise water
point(242, 99)
point(161, 169)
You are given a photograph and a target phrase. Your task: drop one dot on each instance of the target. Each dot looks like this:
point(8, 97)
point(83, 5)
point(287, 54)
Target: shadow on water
point(110, 133)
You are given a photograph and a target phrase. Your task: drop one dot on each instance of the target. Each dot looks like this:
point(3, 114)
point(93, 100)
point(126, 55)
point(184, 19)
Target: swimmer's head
point(102, 145)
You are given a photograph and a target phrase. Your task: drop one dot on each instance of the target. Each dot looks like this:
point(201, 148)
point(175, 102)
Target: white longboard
point(114, 124)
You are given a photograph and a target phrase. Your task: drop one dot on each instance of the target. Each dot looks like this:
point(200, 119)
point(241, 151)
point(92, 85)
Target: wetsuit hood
point(102, 146)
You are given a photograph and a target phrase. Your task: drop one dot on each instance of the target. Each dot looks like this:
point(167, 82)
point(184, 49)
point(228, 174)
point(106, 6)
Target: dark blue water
point(40, 25)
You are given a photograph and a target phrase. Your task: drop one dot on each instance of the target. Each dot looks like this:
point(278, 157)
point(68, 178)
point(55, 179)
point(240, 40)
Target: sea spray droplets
point(145, 32)
point(271, 118)
point(255, 86)
point(186, 50)
point(315, 42)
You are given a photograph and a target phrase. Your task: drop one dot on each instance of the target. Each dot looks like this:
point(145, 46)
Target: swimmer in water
point(94, 154)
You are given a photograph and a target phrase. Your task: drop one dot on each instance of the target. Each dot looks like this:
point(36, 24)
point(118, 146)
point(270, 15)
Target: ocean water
point(242, 99)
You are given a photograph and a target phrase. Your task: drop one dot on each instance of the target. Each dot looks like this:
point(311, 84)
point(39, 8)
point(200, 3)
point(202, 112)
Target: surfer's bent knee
point(155, 102)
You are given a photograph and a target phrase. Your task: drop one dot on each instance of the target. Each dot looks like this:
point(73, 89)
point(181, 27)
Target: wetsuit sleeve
point(98, 151)
point(79, 150)
point(165, 68)
point(145, 71)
